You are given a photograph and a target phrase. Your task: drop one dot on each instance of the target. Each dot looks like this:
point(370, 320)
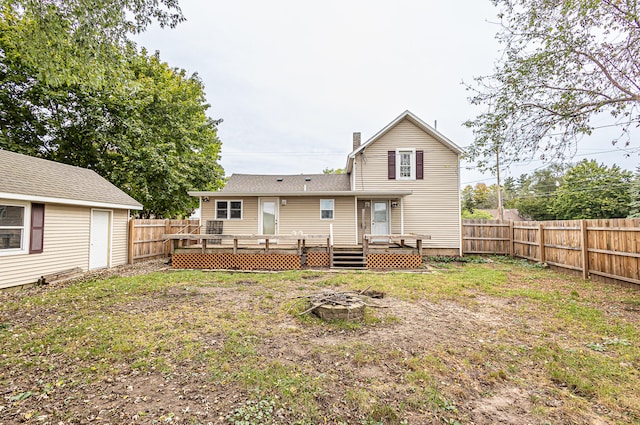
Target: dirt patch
point(442, 360)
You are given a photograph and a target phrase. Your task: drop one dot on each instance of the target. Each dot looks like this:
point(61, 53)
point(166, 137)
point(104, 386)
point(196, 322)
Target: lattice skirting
point(394, 261)
point(236, 261)
point(318, 259)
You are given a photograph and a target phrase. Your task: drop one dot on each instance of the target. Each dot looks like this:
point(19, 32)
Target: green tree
point(481, 195)
point(476, 215)
point(563, 63)
point(634, 194)
point(79, 41)
point(467, 200)
point(593, 191)
point(149, 135)
point(533, 194)
point(328, 170)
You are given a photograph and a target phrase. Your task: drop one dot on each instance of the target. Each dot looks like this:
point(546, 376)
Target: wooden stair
point(348, 258)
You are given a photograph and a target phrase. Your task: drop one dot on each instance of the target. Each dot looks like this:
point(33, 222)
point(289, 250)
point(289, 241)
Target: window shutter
point(420, 165)
point(391, 165)
point(36, 242)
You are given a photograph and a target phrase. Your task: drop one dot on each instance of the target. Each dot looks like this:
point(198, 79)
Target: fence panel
point(482, 236)
point(613, 249)
point(606, 250)
point(525, 240)
point(145, 236)
point(562, 244)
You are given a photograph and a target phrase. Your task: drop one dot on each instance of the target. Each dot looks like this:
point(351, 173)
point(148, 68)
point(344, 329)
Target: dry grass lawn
point(476, 343)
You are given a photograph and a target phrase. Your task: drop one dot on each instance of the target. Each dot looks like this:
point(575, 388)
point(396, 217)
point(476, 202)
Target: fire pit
point(332, 305)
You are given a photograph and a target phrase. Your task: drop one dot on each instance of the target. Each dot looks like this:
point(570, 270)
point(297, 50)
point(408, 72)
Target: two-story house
point(403, 180)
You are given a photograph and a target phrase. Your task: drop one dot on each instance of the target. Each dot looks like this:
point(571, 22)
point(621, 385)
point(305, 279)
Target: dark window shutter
point(391, 164)
point(420, 165)
point(36, 242)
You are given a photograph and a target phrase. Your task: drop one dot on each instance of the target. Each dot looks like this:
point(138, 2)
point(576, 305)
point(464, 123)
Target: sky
point(292, 80)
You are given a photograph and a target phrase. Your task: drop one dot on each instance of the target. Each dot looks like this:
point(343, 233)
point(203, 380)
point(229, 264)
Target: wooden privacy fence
point(606, 250)
point(146, 241)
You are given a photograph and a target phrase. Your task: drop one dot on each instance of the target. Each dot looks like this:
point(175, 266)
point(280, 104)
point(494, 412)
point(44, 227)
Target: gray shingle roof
point(36, 177)
point(252, 183)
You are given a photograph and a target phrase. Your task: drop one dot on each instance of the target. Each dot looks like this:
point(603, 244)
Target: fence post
point(541, 242)
point(584, 248)
point(511, 238)
point(167, 230)
point(131, 244)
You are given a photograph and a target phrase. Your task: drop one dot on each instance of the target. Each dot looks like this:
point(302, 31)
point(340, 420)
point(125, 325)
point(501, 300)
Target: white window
point(13, 226)
point(326, 209)
point(406, 164)
point(229, 210)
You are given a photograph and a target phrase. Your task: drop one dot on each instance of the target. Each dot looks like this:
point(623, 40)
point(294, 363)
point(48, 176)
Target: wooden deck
point(299, 242)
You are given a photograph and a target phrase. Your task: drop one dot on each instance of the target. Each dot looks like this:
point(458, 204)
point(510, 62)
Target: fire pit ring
point(332, 305)
point(353, 311)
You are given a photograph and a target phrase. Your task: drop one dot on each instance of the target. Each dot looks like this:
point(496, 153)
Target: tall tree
point(479, 196)
point(591, 190)
point(534, 193)
point(564, 62)
point(149, 134)
point(79, 41)
point(467, 200)
point(73, 88)
point(634, 194)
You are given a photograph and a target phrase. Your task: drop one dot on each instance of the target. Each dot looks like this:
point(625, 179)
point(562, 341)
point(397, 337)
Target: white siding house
point(56, 217)
point(403, 180)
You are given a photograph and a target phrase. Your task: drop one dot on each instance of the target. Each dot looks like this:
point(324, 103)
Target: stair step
point(349, 268)
point(349, 258)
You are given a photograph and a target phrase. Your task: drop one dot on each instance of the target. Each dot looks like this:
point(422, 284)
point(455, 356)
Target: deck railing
point(265, 240)
point(399, 239)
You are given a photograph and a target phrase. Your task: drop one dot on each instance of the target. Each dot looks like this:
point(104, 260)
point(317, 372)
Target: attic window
point(406, 164)
point(279, 179)
point(307, 179)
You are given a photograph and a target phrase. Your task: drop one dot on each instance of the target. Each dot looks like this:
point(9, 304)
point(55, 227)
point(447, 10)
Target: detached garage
point(57, 217)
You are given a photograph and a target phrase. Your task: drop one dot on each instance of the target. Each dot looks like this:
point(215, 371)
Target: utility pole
point(500, 214)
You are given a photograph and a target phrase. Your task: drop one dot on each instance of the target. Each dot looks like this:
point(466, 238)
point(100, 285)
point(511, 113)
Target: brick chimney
point(356, 141)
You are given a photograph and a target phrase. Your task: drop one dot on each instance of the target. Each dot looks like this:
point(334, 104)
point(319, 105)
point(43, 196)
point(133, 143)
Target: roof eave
point(423, 125)
point(354, 193)
point(78, 202)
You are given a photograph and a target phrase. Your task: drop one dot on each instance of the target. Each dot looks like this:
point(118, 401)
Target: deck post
point(419, 245)
point(204, 245)
point(235, 246)
point(365, 245)
point(299, 247)
point(266, 246)
point(401, 243)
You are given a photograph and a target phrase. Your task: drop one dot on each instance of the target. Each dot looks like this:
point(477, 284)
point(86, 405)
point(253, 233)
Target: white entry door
point(380, 219)
point(100, 241)
point(269, 216)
